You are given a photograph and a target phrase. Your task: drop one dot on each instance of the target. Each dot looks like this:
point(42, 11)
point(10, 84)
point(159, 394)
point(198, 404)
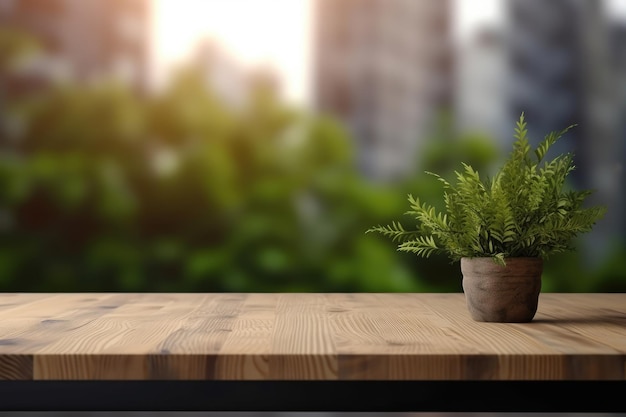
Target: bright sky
point(274, 31)
point(261, 31)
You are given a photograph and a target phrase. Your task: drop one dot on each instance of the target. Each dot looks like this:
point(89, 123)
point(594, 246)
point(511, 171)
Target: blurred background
point(247, 145)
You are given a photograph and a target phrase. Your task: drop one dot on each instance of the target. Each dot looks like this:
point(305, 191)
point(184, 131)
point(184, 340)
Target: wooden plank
point(122, 343)
point(191, 351)
point(89, 367)
point(12, 301)
point(16, 367)
point(593, 318)
point(302, 346)
point(384, 337)
point(21, 312)
point(245, 353)
point(232, 336)
point(136, 327)
point(50, 318)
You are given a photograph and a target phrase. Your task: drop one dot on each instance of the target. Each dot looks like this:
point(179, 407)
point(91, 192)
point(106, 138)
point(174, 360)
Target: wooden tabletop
point(352, 336)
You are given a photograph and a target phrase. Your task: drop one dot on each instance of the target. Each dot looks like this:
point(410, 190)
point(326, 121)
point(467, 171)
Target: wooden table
point(307, 352)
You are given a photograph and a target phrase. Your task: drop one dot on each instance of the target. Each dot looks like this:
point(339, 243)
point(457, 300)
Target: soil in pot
point(503, 294)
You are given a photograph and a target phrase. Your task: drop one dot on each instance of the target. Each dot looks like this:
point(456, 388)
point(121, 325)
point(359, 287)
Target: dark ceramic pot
point(503, 294)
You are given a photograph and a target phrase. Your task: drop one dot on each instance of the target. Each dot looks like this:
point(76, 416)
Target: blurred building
point(384, 68)
point(87, 40)
point(482, 80)
point(618, 52)
point(547, 68)
point(221, 73)
point(562, 74)
point(232, 81)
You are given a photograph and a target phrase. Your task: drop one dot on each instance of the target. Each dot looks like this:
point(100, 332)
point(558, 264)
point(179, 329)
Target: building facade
point(87, 40)
point(545, 56)
point(561, 73)
point(384, 69)
point(481, 102)
point(230, 79)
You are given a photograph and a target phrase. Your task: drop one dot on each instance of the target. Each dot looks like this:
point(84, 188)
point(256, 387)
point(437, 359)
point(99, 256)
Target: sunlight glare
point(273, 32)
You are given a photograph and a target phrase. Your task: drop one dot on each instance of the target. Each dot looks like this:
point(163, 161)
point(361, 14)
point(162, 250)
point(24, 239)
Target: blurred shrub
point(106, 190)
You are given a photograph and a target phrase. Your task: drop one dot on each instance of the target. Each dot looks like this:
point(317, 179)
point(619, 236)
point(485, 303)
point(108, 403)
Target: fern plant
point(525, 210)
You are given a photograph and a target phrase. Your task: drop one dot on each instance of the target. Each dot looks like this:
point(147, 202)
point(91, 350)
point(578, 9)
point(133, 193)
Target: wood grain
point(308, 336)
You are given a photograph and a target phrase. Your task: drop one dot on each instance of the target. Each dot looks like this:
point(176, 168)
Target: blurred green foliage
point(104, 189)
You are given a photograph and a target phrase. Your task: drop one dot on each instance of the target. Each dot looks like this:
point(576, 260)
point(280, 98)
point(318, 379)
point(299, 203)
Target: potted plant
point(501, 229)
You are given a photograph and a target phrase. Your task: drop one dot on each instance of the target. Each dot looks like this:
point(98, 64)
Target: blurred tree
point(15, 45)
point(182, 193)
point(16, 48)
point(103, 190)
point(443, 153)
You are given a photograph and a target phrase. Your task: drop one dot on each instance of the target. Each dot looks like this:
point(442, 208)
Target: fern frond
point(395, 231)
point(423, 246)
point(446, 184)
point(522, 211)
point(550, 140)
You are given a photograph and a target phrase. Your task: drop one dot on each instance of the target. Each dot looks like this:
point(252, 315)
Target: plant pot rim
point(488, 265)
point(508, 257)
point(508, 260)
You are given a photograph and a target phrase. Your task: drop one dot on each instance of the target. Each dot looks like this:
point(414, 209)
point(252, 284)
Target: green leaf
point(524, 210)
